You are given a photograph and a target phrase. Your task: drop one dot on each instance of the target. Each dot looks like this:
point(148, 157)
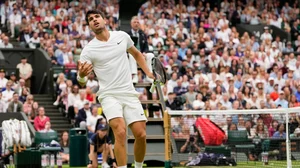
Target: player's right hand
point(84, 69)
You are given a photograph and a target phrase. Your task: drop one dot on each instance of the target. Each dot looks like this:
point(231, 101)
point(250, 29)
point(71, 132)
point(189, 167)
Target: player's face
point(96, 23)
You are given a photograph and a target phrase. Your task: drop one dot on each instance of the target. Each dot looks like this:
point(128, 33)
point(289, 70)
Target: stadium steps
point(155, 141)
point(58, 122)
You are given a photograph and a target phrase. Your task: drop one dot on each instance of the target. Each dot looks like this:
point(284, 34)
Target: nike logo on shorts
point(142, 114)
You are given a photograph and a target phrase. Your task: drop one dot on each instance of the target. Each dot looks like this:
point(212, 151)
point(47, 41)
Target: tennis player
point(106, 54)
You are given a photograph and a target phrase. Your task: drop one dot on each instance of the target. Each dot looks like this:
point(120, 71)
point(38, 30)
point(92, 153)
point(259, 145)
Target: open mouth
point(96, 24)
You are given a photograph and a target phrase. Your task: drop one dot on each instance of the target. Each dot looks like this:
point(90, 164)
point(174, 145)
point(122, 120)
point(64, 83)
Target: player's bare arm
point(84, 69)
point(138, 56)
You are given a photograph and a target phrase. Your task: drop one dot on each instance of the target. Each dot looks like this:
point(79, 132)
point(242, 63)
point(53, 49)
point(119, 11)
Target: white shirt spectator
point(222, 22)
point(8, 45)
point(92, 83)
point(3, 82)
point(91, 121)
point(265, 36)
point(227, 104)
point(162, 23)
point(72, 98)
point(7, 97)
point(15, 19)
point(80, 103)
point(223, 35)
point(33, 41)
point(155, 41)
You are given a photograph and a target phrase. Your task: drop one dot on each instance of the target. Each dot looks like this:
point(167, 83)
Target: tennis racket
point(159, 73)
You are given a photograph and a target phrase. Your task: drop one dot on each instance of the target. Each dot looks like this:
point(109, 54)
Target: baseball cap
point(102, 127)
point(2, 70)
point(12, 74)
point(281, 92)
point(297, 131)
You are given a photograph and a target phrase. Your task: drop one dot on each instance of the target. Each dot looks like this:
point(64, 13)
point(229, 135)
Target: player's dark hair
point(90, 12)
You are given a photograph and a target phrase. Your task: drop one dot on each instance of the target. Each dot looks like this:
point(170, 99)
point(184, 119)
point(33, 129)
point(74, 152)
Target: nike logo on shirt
point(119, 42)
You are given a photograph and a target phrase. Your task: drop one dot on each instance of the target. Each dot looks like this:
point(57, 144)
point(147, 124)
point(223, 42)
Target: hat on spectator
point(102, 127)
point(228, 75)
point(281, 92)
point(2, 70)
point(297, 131)
point(292, 68)
point(13, 74)
point(204, 87)
point(86, 102)
point(218, 79)
point(289, 43)
point(174, 65)
point(274, 45)
point(271, 79)
point(160, 55)
point(266, 28)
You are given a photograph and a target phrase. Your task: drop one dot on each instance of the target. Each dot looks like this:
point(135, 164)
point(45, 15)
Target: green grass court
point(258, 164)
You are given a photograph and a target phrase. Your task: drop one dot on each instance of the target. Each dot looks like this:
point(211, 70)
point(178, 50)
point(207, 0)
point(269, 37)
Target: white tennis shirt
point(110, 64)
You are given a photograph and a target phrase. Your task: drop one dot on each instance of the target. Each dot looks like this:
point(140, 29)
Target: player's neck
point(104, 36)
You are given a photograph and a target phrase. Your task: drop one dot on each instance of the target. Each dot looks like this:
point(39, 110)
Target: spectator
point(5, 11)
point(34, 41)
point(40, 120)
point(47, 128)
point(14, 21)
point(280, 133)
point(2, 104)
point(3, 80)
point(92, 83)
point(25, 71)
point(24, 37)
point(281, 101)
point(138, 36)
point(83, 113)
point(27, 106)
point(64, 143)
point(15, 105)
point(171, 102)
point(7, 94)
point(91, 120)
point(6, 43)
point(21, 86)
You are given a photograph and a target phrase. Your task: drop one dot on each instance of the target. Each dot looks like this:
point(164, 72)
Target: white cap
point(297, 131)
point(281, 92)
point(271, 78)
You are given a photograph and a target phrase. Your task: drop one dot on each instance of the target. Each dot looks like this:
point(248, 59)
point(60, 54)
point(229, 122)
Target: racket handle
point(152, 87)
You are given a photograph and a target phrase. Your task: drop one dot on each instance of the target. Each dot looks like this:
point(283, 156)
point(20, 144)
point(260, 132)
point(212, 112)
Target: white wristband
point(82, 80)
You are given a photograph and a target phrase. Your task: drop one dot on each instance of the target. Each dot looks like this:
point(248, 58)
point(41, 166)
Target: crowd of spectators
point(59, 28)
point(211, 66)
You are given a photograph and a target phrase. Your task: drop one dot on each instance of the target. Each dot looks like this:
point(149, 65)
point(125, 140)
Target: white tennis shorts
point(127, 107)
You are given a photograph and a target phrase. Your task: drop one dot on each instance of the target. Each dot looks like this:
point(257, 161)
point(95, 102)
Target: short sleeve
point(85, 56)
point(108, 140)
point(130, 43)
point(93, 139)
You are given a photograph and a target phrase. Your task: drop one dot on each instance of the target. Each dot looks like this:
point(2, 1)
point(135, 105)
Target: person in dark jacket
point(83, 113)
point(138, 36)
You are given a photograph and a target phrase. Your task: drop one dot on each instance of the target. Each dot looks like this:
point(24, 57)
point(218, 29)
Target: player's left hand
point(150, 75)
